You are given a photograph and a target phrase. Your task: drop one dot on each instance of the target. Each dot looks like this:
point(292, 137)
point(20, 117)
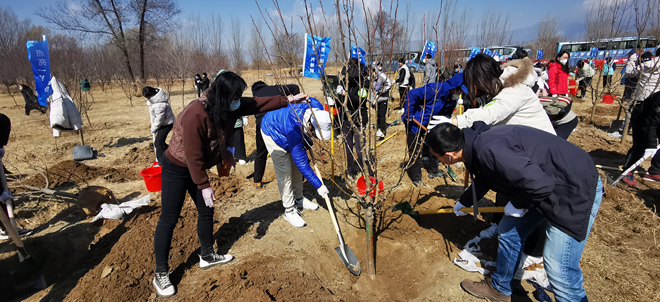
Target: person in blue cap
point(432, 101)
point(287, 134)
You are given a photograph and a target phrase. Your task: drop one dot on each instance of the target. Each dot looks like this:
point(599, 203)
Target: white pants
point(289, 178)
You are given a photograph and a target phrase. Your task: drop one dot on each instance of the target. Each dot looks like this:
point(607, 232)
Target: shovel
point(345, 254)
point(647, 153)
point(408, 210)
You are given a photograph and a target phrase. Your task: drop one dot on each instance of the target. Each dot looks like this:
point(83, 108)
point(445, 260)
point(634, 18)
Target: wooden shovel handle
point(329, 203)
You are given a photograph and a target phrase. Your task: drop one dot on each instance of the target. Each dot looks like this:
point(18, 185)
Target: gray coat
point(160, 110)
point(430, 72)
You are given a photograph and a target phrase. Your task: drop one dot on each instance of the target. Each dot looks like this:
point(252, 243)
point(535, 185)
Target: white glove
point(340, 90)
point(457, 209)
point(510, 210)
point(2, 152)
point(245, 121)
point(647, 153)
point(330, 101)
point(6, 196)
point(437, 120)
point(207, 194)
point(554, 96)
point(195, 87)
point(323, 190)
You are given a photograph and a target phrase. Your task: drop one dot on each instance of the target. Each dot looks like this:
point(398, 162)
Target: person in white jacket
point(648, 71)
point(381, 96)
point(513, 101)
point(162, 117)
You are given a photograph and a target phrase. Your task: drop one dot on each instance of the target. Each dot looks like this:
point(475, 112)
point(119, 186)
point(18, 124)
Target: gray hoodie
point(160, 111)
point(430, 72)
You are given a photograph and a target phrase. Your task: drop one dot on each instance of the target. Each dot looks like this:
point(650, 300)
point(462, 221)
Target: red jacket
point(557, 79)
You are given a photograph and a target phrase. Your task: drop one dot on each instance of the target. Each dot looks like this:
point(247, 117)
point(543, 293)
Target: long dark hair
point(483, 73)
point(226, 88)
point(564, 67)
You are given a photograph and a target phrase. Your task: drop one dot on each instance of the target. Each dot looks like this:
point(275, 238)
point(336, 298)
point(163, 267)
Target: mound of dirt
point(137, 157)
point(73, 172)
point(90, 199)
point(225, 187)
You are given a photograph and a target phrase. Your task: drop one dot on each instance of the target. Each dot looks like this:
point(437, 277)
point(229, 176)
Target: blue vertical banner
point(488, 52)
point(475, 51)
point(593, 52)
point(360, 54)
point(317, 50)
point(38, 57)
point(429, 48)
point(539, 54)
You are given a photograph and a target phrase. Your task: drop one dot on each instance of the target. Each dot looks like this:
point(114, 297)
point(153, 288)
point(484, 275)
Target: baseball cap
point(321, 121)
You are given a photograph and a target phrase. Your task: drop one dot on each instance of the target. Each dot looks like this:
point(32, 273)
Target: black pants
point(199, 92)
point(535, 241)
point(381, 118)
point(607, 79)
point(159, 141)
point(565, 130)
point(352, 137)
point(586, 82)
point(176, 182)
point(239, 144)
point(403, 93)
point(645, 134)
point(415, 145)
point(262, 153)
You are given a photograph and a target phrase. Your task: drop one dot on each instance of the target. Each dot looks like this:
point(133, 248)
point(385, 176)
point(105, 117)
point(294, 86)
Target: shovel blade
point(406, 208)
point(350, 261)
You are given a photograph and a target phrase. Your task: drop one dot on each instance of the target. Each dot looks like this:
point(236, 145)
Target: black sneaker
point(164, 287)
point(206, 262)
point(417, 183)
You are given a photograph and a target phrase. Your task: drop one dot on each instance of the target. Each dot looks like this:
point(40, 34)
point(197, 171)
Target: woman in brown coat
point(202, 139)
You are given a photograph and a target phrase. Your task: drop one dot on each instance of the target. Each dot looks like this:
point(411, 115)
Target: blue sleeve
point(299, 155)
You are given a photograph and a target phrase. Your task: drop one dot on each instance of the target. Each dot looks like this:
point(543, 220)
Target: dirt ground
point(113, 260)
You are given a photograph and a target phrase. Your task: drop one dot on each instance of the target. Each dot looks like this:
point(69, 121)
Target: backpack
point(411, 80)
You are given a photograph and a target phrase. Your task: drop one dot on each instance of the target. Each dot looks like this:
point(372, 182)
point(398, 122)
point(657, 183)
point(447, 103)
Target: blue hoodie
point(285, 127)
point(430, 99)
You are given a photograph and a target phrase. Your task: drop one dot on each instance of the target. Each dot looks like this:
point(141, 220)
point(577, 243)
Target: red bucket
point(151, 177)
point(362, 186)
point(608, 99)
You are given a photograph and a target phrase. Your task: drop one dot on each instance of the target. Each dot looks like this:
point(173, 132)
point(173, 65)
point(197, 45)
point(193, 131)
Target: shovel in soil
point(647, 153)
point(345, 254)
point(408, 210)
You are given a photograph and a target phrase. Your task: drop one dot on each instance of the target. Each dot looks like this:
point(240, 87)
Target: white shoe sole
point(206, 265)
point(158, 291)
point(302, 226)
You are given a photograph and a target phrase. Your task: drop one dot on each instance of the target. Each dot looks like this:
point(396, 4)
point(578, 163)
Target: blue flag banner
point(496, 56)
point(475, 51)
point(317, 50)
point(38, 57)
point(360, 54)
point(430, 48)
point(488, 52)
point(539, 54)
point(593, 52)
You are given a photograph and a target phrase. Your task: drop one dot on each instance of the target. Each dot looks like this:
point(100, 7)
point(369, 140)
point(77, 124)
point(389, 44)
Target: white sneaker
point(380, 133)
point(305, 203)
point(209, 261)
point(164, 287)
point(293, 217)
point(241, 162)
point(3, 235)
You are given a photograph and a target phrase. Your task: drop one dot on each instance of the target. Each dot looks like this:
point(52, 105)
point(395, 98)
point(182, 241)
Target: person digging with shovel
point(546, 179)
point(287, 134)
point(201, 139)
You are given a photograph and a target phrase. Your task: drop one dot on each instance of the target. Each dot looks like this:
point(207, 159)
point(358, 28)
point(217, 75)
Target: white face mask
point(234, 105)
point(563, 61)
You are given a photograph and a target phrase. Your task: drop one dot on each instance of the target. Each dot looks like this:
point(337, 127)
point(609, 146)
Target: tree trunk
point(183, 93)
point(10, 94)
point(369, 229)
point(143, 12)
point(626, 124)
point(593, 113)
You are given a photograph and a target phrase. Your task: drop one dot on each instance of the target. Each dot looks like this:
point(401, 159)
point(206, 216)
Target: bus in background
point(617, 48)
point(412, 58)
point(450, 57)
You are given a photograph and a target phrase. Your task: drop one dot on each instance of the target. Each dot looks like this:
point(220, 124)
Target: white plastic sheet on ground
point(117, 211)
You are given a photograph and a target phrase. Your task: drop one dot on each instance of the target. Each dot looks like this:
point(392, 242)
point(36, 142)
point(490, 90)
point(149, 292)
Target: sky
point(524, 13)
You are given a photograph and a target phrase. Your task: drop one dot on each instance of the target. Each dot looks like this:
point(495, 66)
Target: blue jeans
point(561, 253)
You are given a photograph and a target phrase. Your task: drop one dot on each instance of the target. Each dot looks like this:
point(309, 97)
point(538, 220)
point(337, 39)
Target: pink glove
point(298, 98)
point(207, 194)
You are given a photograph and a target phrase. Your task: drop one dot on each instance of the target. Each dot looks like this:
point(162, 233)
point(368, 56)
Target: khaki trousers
point(289, 178)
